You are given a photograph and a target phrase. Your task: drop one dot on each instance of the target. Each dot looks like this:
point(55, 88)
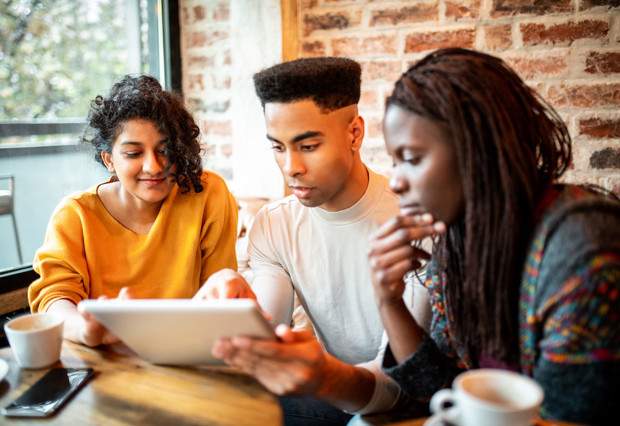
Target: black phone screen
point(49, 393)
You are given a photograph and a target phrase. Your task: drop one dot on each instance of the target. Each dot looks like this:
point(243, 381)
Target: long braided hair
point(510, 147)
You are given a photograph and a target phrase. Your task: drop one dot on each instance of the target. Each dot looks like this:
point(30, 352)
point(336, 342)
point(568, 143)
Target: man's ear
point(357, 131)
point(107, 160)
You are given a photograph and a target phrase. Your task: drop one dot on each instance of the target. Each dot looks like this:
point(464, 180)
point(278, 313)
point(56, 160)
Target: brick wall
point(207, 68)
point(569, 50)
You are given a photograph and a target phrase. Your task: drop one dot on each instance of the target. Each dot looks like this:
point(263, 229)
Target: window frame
point(165, 62)
point(164, 42)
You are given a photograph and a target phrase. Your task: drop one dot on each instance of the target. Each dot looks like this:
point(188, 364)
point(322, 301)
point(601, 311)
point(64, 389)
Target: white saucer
point(436, 420)
point(4, 368)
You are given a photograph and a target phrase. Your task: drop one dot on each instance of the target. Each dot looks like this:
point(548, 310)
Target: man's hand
point(296, 365)
point(293, 365)
point(225, 284)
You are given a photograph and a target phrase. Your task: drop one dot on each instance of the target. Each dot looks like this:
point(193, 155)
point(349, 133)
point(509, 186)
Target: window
point(55, 57)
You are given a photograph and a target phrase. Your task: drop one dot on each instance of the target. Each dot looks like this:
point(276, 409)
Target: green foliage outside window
point(57, 55)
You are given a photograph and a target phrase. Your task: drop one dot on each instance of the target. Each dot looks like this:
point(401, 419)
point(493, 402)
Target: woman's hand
point(92, 333)
point(82, 327)
point(392, 254)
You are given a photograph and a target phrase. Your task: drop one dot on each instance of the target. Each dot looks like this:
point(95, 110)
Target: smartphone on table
point(49, 393)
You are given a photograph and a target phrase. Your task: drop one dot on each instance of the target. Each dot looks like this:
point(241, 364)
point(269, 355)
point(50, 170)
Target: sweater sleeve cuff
point(422, 374)
point(385, 394)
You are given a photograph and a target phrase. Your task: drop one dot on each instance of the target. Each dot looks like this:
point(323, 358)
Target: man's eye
point(309, 147)
point(277, 148)
point(131, 154)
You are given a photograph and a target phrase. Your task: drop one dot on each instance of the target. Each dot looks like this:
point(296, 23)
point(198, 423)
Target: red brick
point(331, 21)
point(607, 158)
point(207, 38)
point(405, 15)
point(600, 128)
point(384, 70)
point(498, 37)
point(462, 9)
point(369, 99)
point(530, 68)
point(199, 13)
point(221, 12)
point(226, 150)
point(185, 16)
point(418, 42)
point(588, 4)
point(355, 46)
point(209, 149)
point(585, 96)
point(314, 48)
point(563, 34)
point(195, 82)
point(201, 61)
point(531, 7)
point(308, 4)
point(213, 127)
point(603, 63)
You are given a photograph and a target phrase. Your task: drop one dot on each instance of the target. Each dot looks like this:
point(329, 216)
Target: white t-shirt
point(323, 257)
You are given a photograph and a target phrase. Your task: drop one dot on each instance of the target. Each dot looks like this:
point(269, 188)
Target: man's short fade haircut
point(330, 82)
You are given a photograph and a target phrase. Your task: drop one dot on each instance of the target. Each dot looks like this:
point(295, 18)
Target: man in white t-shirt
point(314, 243)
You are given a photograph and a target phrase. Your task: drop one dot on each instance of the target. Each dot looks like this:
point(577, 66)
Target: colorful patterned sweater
point(569, 315)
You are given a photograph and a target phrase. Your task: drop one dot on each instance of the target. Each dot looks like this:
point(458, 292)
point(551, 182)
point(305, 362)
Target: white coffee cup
point(35, 339)
point(489, 397)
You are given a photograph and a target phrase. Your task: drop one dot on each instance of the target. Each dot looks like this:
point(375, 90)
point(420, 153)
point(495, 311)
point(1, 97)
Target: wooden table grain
point(127, 390)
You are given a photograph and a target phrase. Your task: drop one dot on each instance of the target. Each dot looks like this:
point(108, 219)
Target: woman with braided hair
point(525, 271)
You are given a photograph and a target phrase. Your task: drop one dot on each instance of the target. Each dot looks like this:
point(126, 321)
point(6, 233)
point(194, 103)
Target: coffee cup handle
point(439, 405)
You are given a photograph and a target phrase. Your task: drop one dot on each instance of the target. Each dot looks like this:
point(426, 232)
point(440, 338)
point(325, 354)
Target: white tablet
point(178, 331)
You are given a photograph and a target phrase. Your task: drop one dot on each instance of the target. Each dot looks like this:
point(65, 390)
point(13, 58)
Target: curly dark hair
point(510, 147)
point(142, 97)
point(330, 82)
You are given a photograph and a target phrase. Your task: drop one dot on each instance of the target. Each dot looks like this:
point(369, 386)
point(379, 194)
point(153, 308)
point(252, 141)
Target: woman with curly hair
point(525, 272)
point(157, 229)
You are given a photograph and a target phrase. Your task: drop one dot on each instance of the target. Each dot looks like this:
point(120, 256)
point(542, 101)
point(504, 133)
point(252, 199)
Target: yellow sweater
point(87, 253)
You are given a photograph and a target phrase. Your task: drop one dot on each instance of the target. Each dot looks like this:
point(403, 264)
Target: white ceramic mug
point(35, 339)
point(489, 397)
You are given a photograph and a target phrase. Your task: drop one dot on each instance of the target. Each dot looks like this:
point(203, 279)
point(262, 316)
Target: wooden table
point(388, 420)
point(127, 390)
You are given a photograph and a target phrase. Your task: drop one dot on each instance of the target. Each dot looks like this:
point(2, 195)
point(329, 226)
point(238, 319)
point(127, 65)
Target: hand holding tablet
point(178, 331)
